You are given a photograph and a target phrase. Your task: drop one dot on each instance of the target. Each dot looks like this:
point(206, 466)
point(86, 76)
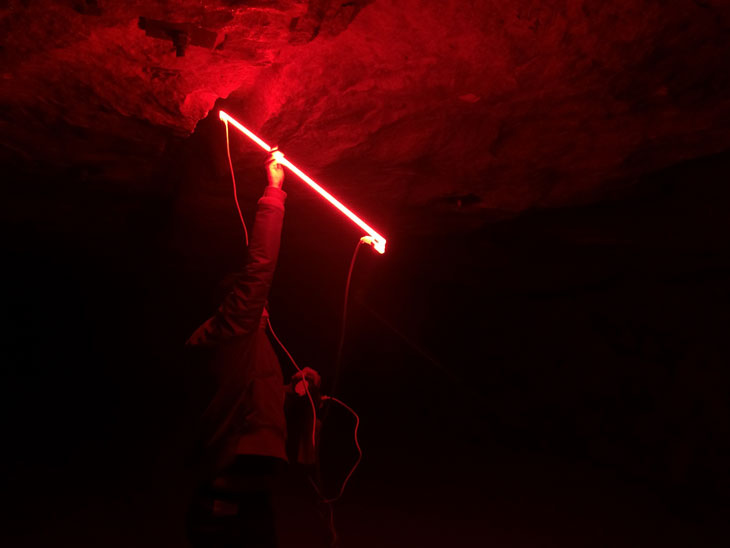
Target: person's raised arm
point(241, 310)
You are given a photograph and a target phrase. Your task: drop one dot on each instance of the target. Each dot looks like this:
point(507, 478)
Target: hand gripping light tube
point(372, 238)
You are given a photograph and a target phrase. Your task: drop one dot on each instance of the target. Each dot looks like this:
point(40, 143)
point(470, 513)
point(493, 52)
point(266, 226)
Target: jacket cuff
point(275, 193)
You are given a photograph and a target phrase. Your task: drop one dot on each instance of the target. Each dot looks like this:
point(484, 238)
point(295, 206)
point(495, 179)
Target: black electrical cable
point(317, 480)
point(341, 343)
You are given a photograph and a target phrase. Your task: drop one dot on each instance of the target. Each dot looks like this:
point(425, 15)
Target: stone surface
point(492, 107)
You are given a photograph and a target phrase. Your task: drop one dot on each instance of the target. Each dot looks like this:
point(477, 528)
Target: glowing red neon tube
point(373, 238)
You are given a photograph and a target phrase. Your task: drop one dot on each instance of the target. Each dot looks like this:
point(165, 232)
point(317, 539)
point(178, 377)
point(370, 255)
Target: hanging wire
point(233, 178)
point(306, 384)
point(341, 342)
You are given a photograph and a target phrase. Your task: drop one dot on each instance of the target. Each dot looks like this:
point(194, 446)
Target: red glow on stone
point(372, 238)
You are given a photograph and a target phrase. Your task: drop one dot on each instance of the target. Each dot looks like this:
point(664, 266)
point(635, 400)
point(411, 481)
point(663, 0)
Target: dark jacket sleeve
point(241, 310)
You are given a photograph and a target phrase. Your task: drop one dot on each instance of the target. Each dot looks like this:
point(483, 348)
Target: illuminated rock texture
point(494, 106)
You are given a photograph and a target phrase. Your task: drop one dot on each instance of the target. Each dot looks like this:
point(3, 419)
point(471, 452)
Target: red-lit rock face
point(494, 105)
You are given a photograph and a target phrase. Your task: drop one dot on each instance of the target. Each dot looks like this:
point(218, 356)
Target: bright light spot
point(373, 238)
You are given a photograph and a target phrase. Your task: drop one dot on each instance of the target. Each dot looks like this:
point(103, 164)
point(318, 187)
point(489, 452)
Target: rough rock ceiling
point(492, 105)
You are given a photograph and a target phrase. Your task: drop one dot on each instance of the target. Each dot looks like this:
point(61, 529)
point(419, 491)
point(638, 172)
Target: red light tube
point(373, 238)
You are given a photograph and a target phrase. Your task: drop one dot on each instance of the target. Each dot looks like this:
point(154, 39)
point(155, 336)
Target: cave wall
point(502, 106)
